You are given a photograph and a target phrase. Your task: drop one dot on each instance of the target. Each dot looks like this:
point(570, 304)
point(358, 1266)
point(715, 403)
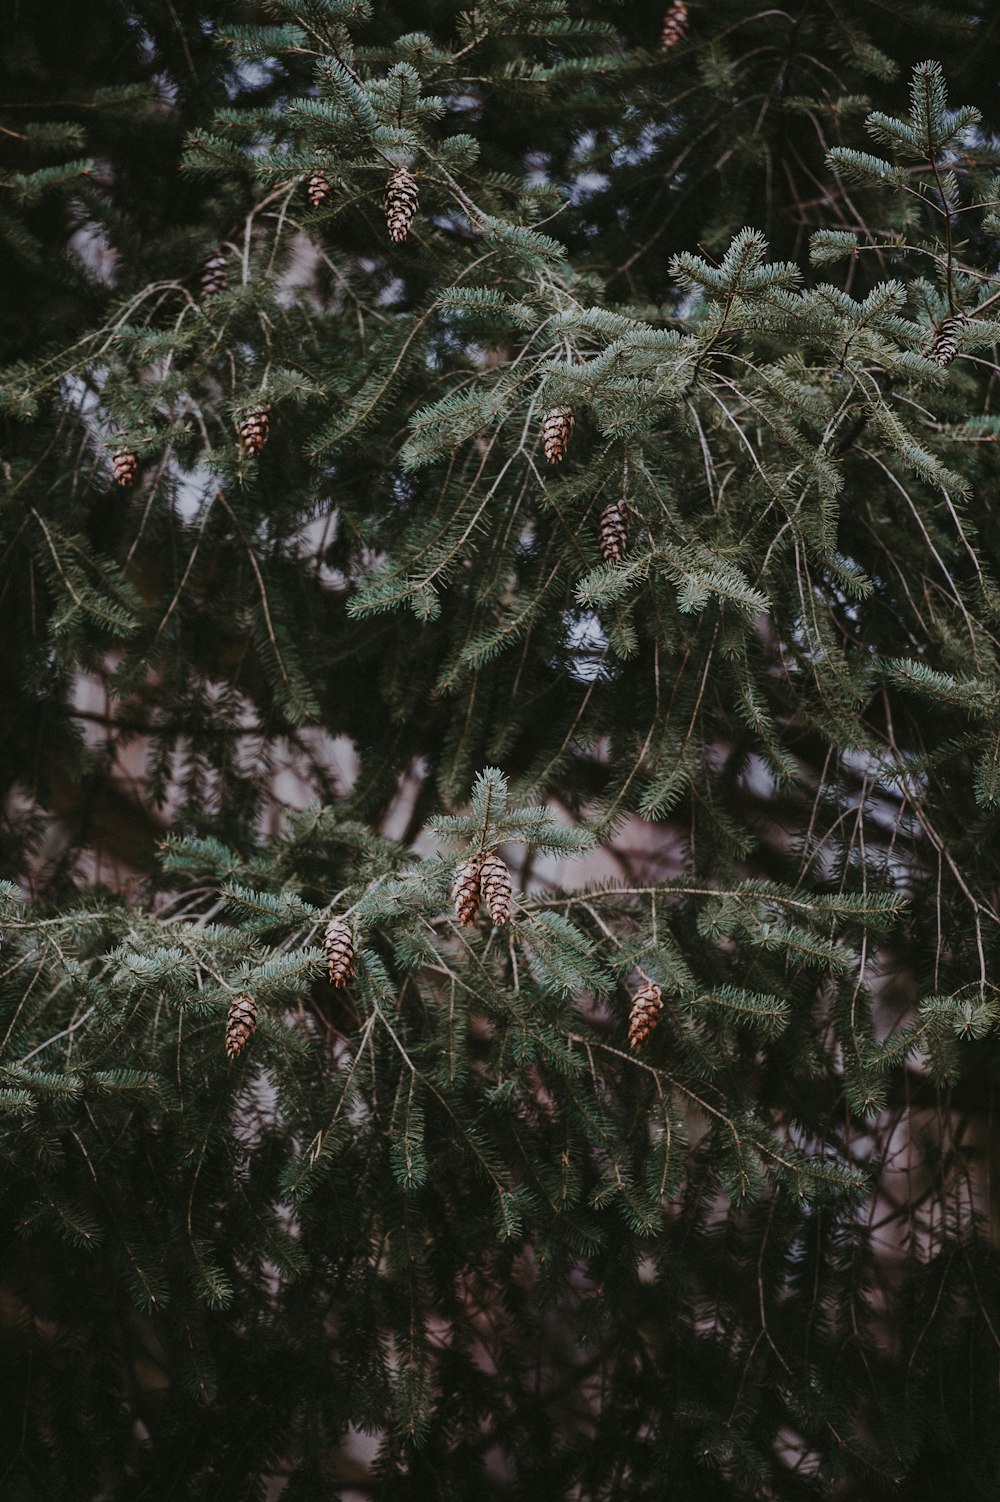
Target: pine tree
point(492, 1218)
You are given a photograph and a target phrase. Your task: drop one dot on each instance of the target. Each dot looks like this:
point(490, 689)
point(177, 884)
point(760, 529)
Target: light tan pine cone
point(644, 1017)
point(613, 533)
point(241, 1024)
point(466, 893)
point(318, 189)
point(401, 199)
point(494, 880)
point(338, 946)
point(557, 425)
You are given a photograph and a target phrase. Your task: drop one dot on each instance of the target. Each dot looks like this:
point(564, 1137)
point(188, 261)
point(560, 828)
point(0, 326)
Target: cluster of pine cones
point(484, 881)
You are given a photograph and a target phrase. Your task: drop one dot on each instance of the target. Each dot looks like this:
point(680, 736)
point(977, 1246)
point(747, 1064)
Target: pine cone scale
point(402, 197)
point(241, 1024)
point(338, 946)
point(644, 1016)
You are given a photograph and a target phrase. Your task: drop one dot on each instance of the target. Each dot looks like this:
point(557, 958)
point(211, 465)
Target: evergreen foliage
point(720, 690)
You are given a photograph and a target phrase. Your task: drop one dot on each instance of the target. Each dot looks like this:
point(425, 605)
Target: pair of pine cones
point(338, 947)
point(485, 881)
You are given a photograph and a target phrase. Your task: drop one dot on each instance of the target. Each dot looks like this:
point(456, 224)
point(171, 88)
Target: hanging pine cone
point(241, 1024)
point(644, 1018)
point(125, 467)
point(944, 349)
point(401, 198)
point(494, 878)
point(318, 189)
point(254, 429)
point(674, 24)
point(465, 891)
point(557, 425)
point(338, 946)
point(613, 533)
point(214, 277)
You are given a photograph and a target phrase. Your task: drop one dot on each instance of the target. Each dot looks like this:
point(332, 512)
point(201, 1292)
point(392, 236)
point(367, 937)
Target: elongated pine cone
point(557, 425)
point(498, 895)
point(318, 189)
point(944, 349)
point(125, 467)
point(675, 24)
point(214, 276)
point(338, 946)
point(241, 1024)
point(401, 198)
point(644, 1018)
point(254, 429)
point(613, 533)
point(465, 891)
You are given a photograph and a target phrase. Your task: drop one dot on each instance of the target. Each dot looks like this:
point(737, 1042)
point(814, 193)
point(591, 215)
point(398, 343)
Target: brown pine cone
point(613, 533)
point(254, 429)
point(125, 467)
point(338, 946)
point(944, 349)
point(241, 1024)
point(465, 891)
point(401, 199)
point(557, 425)
point(674, 24)
point(644, 1017)
point(318, 189)
point(494, 879)
point(214, 276)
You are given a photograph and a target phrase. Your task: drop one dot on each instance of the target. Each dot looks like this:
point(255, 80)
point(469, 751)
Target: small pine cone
point(241, 1024)
point(254, 429)
point(401, 198)
point(557, 425)
point(498, 895)
point(944, 349)
point(644, 1018)
point(214, 276)
point(318, 189)
point(338, 946)
point(125, 467)
point(674, 24)
point(466, 892)
point(613, 533)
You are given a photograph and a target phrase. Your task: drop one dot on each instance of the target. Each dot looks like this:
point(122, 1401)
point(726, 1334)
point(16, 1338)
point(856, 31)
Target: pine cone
point(674, 24)
point(613, 533)
point(557, 425)
point(498, 895)
point(241, 1024)
point(466, 892)
point(125, 467)
point(318, 189)
point(338, 946)
point(401, 198)
point(254, 429)
point(644, 1017)
point(944, 349)
point(214, 276)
